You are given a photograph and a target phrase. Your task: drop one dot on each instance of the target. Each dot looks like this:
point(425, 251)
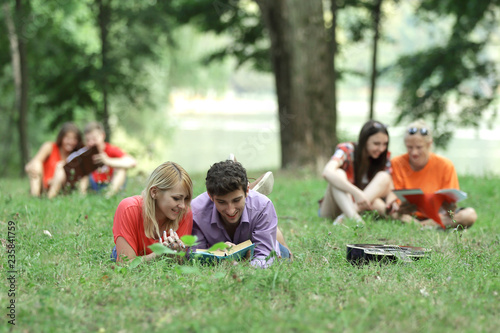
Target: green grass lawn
point(67, 283)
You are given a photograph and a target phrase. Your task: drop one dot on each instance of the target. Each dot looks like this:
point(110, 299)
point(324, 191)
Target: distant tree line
point(65, 60)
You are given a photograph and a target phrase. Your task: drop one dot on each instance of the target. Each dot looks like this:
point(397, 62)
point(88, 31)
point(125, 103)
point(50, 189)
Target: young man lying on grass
point(230, 212)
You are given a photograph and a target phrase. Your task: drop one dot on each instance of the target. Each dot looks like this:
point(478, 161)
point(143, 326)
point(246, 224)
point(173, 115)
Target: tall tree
point(130, 36)
point(365, 22)
point(71, 78)
point(103, 22)
point(376, 14)
point(301, 54)
point(304, 74)
point(333, 43)
point(19, 68)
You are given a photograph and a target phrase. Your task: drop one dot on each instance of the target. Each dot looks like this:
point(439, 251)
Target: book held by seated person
point(429, 204)
point(80, 164)
point(241, 251)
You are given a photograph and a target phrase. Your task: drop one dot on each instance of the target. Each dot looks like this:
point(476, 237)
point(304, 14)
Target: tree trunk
point(333, 53)
point(376, 37)
point(20, 74)
point(303, 68)
point(103, 22)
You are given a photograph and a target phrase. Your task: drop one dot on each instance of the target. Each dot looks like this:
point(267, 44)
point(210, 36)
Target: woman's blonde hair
point(164, 177)
point(419, 126)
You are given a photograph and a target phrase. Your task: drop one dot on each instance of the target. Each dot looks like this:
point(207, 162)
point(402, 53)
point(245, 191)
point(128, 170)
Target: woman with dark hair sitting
point(358, 175)
point(46, 168)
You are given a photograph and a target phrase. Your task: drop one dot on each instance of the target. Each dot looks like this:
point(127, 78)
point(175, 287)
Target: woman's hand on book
point(173, 241)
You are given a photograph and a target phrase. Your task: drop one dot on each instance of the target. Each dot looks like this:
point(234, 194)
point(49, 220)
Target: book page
point(452, 194)
point(77, 153)
point(80, 164)
point(402, 193)
point(222, 253)
point(240, 246)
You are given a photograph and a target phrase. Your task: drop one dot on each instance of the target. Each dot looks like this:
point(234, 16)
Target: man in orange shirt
point(420, 168)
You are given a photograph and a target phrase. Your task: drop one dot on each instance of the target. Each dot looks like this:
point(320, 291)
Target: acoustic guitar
point(364, 253)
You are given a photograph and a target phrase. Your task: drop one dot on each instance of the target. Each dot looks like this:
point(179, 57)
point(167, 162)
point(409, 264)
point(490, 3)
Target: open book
point(237, 252)
point(80, 164)
point(430, 203)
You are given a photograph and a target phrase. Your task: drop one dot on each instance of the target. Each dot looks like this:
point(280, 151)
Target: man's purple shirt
point(258, 223)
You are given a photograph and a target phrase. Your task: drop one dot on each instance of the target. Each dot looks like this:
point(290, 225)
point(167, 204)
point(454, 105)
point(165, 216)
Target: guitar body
point(364, 253)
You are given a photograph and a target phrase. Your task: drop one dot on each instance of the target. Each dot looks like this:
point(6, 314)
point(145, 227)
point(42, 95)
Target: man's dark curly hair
point(225, 177)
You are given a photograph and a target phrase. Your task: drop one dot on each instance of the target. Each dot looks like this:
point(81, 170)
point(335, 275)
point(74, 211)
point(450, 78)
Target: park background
point(178, 80)
point(193, 82)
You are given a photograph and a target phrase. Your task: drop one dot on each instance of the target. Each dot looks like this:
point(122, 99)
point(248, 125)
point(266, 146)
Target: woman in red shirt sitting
point(46, 169)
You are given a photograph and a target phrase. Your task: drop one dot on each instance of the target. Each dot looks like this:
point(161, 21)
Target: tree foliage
point(460, 71)
point(70, 76)
point(239, 19)
point(290, 37)
point(92, 59)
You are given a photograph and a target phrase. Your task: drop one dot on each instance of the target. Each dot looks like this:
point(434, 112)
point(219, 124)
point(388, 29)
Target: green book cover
point(237, 252)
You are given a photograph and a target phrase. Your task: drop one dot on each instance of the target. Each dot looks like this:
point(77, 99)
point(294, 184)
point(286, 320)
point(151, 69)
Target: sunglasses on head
point(414, 130)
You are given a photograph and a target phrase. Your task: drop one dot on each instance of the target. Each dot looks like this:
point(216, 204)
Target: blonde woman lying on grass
point(162, 214)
